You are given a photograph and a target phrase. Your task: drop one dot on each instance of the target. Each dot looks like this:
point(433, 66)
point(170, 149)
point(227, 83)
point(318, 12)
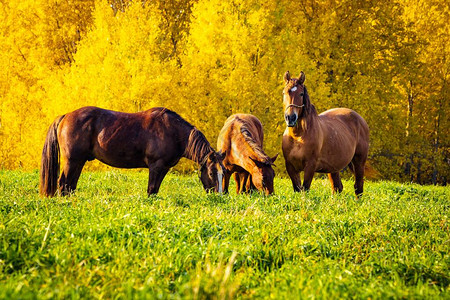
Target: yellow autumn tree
point(237, 53)
point(37, 38)
point(425, 92)
point(207, 59)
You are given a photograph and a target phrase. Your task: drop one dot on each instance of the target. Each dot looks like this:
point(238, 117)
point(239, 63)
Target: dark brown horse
point(324, 143)
point(155, 139)
point(241, 139)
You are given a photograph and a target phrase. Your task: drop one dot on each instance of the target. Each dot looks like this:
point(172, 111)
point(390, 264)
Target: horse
point(155, 139)
point(241, 140)
point(325, 143)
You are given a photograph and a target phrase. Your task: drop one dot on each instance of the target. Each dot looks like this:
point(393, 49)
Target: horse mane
point(309, 107)
point(197, 146)
point(246, 133)
point(163, 110)
point(308, 112)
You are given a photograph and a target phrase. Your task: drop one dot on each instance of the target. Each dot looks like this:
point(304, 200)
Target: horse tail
point(370, 172)
point(50, 161)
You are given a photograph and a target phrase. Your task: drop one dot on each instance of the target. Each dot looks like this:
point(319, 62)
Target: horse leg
point(308, 176)
point(238, 182)
point(295, 177)
point(358, 167)
point(245, 186)
point(240, 179)
point(245, 180)
point(250, 186)
point(336, 183)
point(157, 172)
point(70, 175)
point(226, 181)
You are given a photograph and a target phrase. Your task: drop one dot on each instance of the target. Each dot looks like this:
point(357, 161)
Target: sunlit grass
point(110, 240)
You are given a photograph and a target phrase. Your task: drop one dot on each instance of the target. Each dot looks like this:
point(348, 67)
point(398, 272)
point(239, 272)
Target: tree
point(36, 38)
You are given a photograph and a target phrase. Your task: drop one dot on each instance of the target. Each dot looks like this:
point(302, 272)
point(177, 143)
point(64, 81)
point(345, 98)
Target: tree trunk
point(409, 114)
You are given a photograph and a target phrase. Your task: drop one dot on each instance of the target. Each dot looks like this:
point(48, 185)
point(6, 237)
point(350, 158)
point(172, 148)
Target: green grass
point(109, 240)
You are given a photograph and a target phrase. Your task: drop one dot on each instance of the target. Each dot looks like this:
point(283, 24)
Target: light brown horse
point(241, 139)
point(155, 139)
point(324, 143)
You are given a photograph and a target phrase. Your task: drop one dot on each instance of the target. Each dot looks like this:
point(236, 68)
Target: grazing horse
point(325, 143)
point(155, 139)
point(241, 139)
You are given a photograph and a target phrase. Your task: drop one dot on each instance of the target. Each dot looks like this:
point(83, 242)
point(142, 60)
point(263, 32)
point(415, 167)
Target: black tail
point(50, 161)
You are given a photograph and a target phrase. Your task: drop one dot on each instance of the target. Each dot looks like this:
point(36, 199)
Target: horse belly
point(329, 160)
point(119, 151)
point(325, 166)
point(121, 158)
point(335, 158)
point(232, 168)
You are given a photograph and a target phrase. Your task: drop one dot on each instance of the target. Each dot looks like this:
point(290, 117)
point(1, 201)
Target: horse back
point(232, 131)
point(125, 140)
point(345, 130)
point(346, 121)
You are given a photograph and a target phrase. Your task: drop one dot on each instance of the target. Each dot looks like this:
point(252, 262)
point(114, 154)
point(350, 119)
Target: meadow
point(109, 240)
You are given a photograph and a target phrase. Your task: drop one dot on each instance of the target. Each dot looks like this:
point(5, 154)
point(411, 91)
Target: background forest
point(208, 59)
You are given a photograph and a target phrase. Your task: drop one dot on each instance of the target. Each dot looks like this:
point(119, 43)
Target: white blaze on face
point(294, 89)
point(219, 178)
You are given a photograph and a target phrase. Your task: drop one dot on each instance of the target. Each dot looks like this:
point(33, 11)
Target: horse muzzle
point(291, 120)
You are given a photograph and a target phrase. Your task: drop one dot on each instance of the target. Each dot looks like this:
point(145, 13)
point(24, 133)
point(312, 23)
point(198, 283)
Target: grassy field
point(109, 240)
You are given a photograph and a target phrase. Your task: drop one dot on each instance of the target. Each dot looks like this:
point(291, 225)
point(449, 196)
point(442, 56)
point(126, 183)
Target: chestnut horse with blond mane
point(155, 139)
point(325, 143)
point(241, 140)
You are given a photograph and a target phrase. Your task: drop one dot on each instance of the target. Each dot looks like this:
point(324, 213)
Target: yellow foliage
point(208, 59)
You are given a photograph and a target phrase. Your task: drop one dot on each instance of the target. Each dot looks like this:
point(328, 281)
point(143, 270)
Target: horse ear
point(211, 156)
point(257, 162)
point(222, 155)
point(287, 77)
point(301, 78)
point(272, 159)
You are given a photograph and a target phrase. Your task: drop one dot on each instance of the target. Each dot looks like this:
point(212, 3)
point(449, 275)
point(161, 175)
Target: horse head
point(212, 172)
point(295, 99)
point(263, 175)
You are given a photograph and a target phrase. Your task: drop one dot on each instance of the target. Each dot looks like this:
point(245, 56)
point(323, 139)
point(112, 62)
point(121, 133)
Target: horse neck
point(257, 152)
point(197, 146)
point(307, 123)
point(254, 149)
